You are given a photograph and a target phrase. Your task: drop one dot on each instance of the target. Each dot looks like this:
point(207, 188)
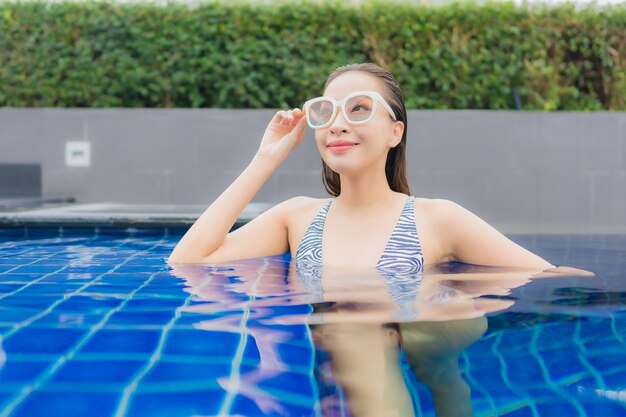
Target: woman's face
point(368, 143)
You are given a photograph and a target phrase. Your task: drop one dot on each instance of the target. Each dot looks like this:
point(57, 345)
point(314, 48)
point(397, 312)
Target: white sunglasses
point(358, 108)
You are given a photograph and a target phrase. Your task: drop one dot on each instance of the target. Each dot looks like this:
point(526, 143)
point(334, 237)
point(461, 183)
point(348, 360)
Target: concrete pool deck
point(46, 213)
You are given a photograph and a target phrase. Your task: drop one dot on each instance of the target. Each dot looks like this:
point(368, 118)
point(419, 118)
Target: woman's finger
point(278, 117)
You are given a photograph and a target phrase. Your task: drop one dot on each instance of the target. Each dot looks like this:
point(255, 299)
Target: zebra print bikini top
point(402, 253)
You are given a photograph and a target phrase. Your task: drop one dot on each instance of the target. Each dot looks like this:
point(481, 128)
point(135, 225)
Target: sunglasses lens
point(359, 108)
point(320, 112)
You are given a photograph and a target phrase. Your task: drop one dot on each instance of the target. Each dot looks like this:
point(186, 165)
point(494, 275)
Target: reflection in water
point(364, 326)
point(365, 360)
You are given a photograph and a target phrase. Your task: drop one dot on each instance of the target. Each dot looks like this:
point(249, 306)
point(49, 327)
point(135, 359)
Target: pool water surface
point(93, 322)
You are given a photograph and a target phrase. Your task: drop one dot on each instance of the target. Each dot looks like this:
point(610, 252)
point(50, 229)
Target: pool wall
point(521, 171)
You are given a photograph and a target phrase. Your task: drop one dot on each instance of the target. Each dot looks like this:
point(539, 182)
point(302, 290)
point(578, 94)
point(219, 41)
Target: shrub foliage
point(273, 55)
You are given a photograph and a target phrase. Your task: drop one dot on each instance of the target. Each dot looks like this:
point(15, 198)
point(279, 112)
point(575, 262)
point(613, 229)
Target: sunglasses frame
point(376, 98)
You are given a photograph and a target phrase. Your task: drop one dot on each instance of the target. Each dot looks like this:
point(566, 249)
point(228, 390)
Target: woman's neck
point(363, 191)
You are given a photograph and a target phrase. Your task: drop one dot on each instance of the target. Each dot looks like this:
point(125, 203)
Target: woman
point(373, 221)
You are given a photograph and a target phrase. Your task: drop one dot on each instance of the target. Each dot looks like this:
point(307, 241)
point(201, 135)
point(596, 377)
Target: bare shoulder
point(438, 211)
point(447, 218)
point(433, 205)
point(431, 217)
point(301, 208)
point(301, 203)
point(443, 212)
point(298, 213)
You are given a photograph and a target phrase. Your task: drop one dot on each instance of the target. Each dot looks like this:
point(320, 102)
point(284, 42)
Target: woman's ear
point(396, 134)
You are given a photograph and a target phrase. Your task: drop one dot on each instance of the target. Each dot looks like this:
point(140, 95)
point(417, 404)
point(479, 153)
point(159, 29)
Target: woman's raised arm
point(208, 239)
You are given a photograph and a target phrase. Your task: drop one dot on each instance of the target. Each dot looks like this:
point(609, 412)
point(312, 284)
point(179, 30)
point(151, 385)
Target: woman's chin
point(342, 168)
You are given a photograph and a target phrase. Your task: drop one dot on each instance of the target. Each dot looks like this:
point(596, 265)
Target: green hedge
point(242, 55)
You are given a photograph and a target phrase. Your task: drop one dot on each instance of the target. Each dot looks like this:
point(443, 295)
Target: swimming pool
point(93, 322)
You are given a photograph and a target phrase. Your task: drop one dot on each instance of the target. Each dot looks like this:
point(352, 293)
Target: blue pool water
point(94, 323)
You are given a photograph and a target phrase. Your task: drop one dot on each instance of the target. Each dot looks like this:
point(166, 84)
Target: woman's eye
point(360, 107)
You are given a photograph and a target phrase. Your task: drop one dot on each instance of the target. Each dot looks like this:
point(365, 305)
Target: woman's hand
point(564, 271)
point(284, 132)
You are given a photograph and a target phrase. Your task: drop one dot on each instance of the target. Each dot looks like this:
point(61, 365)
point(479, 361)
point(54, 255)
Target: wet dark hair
point(395, 167)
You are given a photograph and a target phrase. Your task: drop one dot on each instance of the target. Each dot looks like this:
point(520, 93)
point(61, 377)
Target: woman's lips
point(340, 146)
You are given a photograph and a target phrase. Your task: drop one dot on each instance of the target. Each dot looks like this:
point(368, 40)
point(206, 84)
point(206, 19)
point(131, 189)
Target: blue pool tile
point(23, 371)
point(68, 404)
point(166, 278)
point(516, 341)
point(157, 292)
point(524, 411)
point(51, 289)
point(88, 268)
point(69, 278)
point(525, 371)
point(247, 407)
point(41, 340)
point(56, 319)
point(595, 328)
point(563, 363)
point(168, 404)
point(604, 361)
point(135, 318)
point(18, 278)
point(505, 399)
point(117, 278)
point(106, 289)
point(556, 336)
point(286, 381)
point(251, 351)
point(294, 355)
point(76, 370)
point(9, 288)
point(14, 261)
point(141, 268)
point(153, 304)
point(13, 317)
point(616, 381)
point(52, 263)
point(88, 304)
point(119, 341)
point(201, 342)
point(187, 319)
point(37, 269)
point(608, 408)
point(556, 408)
point(34, 302)
point(177, 372)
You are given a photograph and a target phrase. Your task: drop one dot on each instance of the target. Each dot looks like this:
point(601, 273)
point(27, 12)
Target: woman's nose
point(339, 124)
